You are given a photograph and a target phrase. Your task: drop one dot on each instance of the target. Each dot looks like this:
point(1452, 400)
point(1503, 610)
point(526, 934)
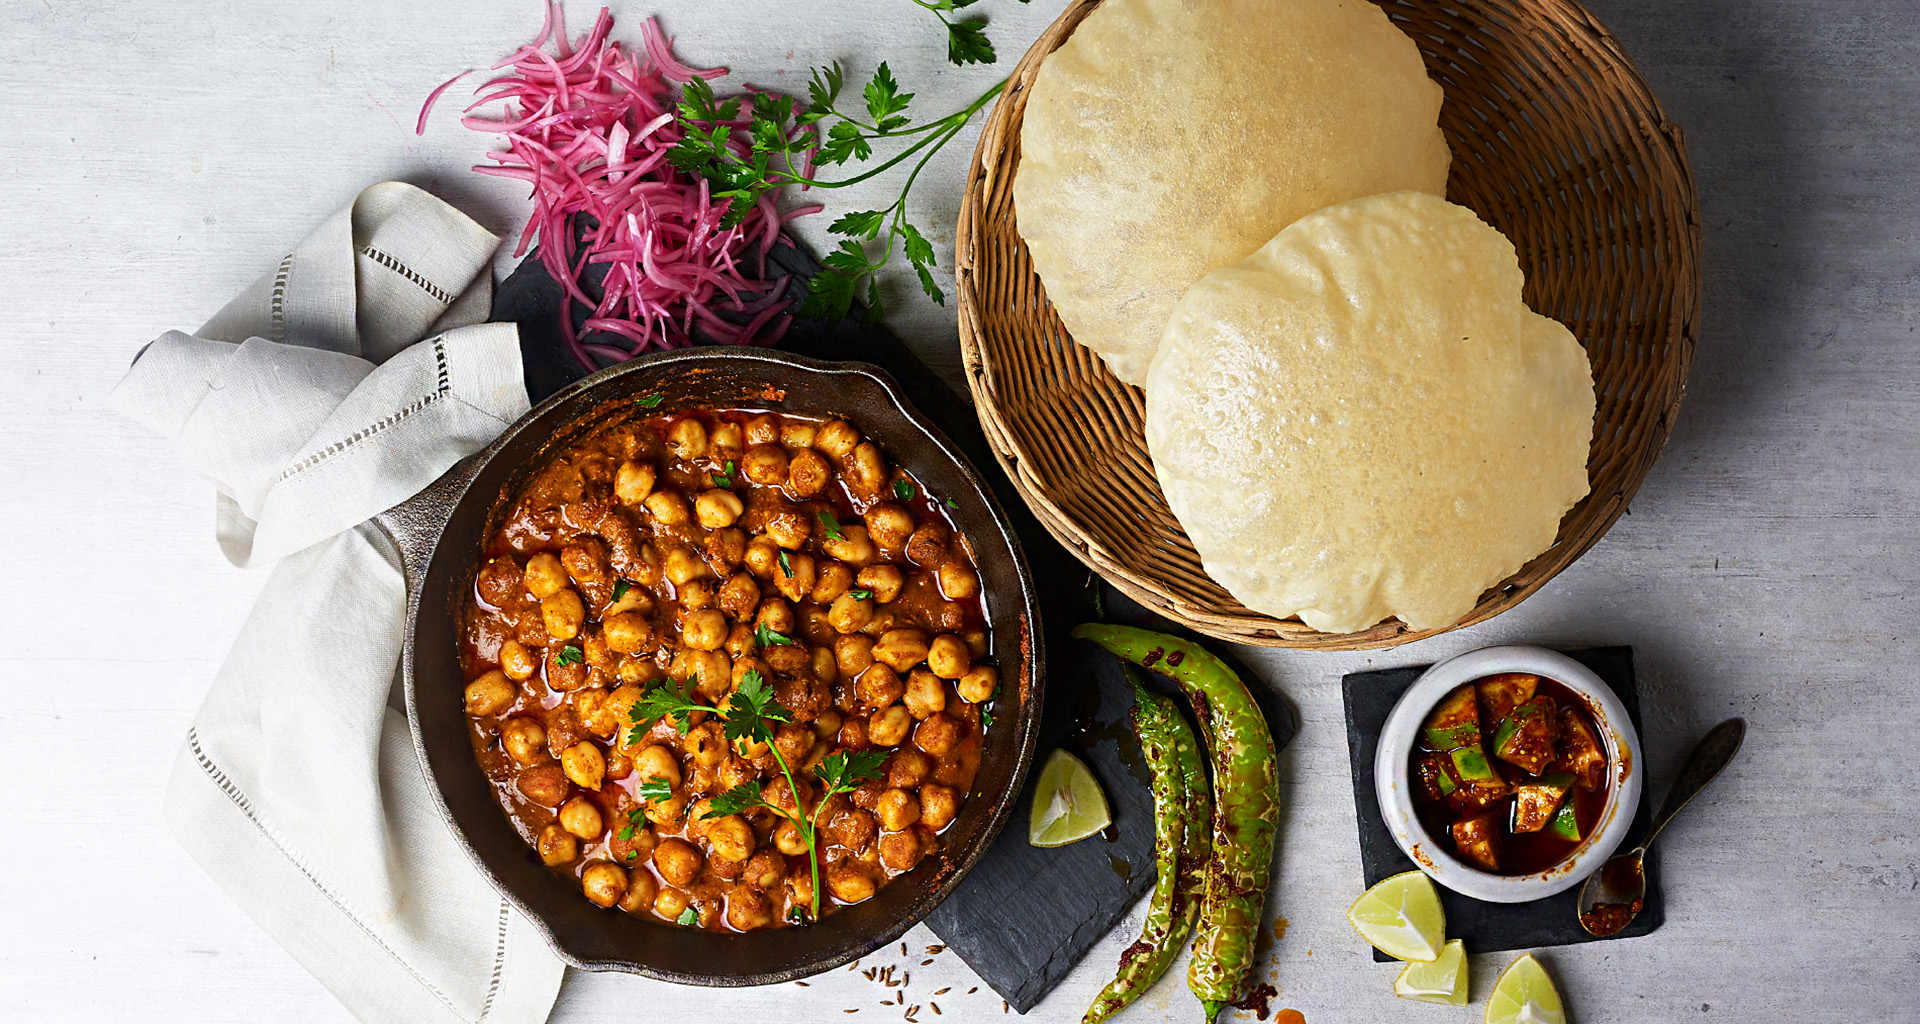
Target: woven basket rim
point(1227, 619)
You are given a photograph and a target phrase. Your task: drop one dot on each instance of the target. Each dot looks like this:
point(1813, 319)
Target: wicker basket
point(1556, 140)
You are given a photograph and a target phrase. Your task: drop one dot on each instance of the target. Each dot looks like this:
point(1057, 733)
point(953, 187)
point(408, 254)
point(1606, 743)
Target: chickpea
point(682, 566)
point(889, 525)
point(581, 817)
point(762, 558)
point(657, 762)
point(849, 613)
point(883, 622)
point(627, 632)
point(556, 846)
point(642, 891)
point(594, 714)
point(563, 613)
point(670, 811)
point(800, 887)
point(739, 596)
point(731, 838)
point(633, 482)
point(501, 581)
point(886, 582)
point(726, 442)
point(976, 642)
point(718, 509)
point(849, 883)
point(776, 615)
point(795, 579)
point(766, 465)
point(815, 626)
point(824, 668)
point(798, 433)
point(826, 723)
point(926, 695)
point(670, 904)
point(979, 684)
point(696, 595)
point(901, 851)
point(766, 870)
point(516, 661)
point(668, 508)
point(878, 686)
point(949, 617)
point(928, 545)
point(748, 909)
point(619, 765)
point(837, 438)
point(866, 469)
point(587, 564)
point(938, 734)
point(604, 883)
point(897, 809)
point(564, 671)
point(726, 548)
point(832, 580)
point(706, 744)
point(584, 764)
point(779, 793)
point(545, 575)
point(677, 860)
point(789, 529)
point(888, 726)
point(687, 439)
point(853, 653)
point(712, 673)
point(853, 733)
point(938, 805)
point(852, 828)
point(705, 630)
point(906, 768)
point(763, 429)
point(948, 656)
point(736, 771)
point(901, 649)
point(639, 672)
point(524, 740)
point(490, 694)
point(793, 740)
point(788, 840)
point(807, 473)
point(544, 784)
point(958, 581)
point(853, 547)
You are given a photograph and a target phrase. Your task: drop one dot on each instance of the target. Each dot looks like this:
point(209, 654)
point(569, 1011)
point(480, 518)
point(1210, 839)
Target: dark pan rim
point(459, 492)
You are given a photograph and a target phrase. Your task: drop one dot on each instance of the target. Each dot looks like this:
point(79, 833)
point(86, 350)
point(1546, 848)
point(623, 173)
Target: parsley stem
point(938, 139)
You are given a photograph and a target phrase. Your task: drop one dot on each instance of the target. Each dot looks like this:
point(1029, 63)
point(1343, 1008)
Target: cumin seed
point(936, 1007)
point(944, 991)
point(974, 989)
point(924, 963)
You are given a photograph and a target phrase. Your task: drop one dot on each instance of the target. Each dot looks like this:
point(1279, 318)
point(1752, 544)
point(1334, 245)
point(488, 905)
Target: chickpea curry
point(728, 669)
point(1510, 769)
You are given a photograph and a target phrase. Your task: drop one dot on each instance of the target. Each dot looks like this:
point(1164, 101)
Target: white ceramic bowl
point(1434, 856)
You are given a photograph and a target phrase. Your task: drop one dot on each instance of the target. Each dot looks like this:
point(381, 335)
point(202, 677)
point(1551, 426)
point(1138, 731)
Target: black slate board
point(1486, 927)
point(1069, 897)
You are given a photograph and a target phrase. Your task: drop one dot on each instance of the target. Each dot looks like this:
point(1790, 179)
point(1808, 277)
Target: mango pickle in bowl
point(1508, 774)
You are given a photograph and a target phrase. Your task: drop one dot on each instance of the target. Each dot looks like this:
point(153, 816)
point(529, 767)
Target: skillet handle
point(415, 524)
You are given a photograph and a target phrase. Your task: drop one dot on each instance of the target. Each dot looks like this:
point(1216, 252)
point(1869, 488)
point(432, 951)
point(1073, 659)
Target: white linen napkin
point(312, 403)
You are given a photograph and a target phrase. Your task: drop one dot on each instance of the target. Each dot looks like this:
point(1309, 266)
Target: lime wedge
point(1402, 917)
point(1440, 981)
point(1067, 804)
point(1524, 995)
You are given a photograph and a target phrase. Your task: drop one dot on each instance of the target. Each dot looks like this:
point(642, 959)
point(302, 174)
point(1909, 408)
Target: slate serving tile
point(1487, 927)
point(1066, 898)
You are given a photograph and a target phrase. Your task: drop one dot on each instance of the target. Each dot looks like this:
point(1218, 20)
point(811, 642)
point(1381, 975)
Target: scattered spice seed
point(903, 949)
point(944, 991)
point(936, 949)
point(924, 963)
point(854, 1010)
point(802, 984)
point(974, 989)
point(1003, 1006)
point(936, 1007)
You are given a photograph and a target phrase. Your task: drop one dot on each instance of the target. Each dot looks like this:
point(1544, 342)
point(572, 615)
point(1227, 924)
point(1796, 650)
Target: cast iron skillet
point(440, 532)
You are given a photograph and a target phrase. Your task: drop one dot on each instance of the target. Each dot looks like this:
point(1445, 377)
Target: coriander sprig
point(967, 41)
point(749, 708)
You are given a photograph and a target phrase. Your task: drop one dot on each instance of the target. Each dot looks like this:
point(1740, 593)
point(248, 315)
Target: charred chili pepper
point(1182, 840)
point(1246, 802)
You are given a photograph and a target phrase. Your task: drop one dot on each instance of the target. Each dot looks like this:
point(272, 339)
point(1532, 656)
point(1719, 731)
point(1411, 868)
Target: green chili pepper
point(1182, 839)
point(1246, 803)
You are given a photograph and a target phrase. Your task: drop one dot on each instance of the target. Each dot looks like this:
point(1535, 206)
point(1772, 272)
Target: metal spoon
point(1613, 895)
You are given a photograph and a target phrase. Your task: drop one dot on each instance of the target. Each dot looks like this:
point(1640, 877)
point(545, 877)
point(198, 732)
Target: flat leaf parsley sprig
point(750, 707)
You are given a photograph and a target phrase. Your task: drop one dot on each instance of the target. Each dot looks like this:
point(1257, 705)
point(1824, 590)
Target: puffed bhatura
point(1166, 138)
point(1363, 419)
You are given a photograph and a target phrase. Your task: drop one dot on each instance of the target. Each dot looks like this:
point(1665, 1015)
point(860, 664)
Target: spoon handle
point(1709, 756)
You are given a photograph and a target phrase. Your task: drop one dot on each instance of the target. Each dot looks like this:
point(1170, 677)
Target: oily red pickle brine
point(1510, 773)
point(723, 553)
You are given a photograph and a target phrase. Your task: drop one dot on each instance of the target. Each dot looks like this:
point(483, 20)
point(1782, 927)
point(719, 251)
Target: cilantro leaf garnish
point(652, 791)
point(661, 701)
point(627, 833)
point(724, 479)
point(688, 918)
point(860, 595)
point(649, 401)
point(766, 637)
point(843, 771)
point(952, 503)
point(786, 566)
point(830, 523)
point(733, 801)
point(903, 489)
point(569, 655)
point(620, 588)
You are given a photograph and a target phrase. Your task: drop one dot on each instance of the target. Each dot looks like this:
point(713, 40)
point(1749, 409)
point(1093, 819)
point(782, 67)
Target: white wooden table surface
point(160, 155)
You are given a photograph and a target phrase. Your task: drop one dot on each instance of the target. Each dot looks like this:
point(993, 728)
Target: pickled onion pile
point(589, 127)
